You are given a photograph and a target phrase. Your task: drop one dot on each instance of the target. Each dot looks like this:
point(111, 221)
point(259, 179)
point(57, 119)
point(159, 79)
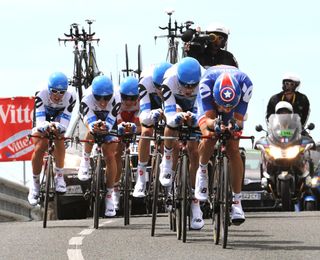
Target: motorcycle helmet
point(226, 91)
point(58, 81)
point(158, 73)
point(189, 71)
point(102, 86)
point(129, 88)
point(290, 77)
point(283, 107)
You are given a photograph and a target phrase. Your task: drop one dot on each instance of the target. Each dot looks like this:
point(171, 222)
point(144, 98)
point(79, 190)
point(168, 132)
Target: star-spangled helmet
point(226, 91)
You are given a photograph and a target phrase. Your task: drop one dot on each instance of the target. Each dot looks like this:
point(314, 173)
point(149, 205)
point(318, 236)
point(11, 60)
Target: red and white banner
point(16, 116)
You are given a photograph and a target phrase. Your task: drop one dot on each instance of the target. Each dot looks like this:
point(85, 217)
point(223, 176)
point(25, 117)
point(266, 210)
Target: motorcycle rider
point(290, 93)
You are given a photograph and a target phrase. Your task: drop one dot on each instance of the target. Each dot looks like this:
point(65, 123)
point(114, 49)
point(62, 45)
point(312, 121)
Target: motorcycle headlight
point(279, 153)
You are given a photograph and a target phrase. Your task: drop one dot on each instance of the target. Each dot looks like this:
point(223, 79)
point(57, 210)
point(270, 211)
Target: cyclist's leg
point(84, 168)
point(60, 152)
point(111, 171)
point(236, 169)
point(40, 147)
point(206, 149)
point(170, 158)
point(143, 159)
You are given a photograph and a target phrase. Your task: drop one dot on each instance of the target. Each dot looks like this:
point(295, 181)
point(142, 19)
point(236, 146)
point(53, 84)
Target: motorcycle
point(285, 159)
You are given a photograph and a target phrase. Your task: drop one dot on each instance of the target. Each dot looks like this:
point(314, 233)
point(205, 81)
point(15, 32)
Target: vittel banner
point(16, 116)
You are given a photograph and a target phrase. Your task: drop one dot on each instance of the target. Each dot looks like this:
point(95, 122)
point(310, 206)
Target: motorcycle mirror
point(311, 126)
point(259, 128)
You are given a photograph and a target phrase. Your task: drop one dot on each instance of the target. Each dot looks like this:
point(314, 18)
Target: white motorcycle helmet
point(292, 77)
point(220, 29)
point(284, 107)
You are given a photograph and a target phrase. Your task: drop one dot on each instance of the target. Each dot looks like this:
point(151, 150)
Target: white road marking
point(77, 241)
point(74, 254)
point(87, 231)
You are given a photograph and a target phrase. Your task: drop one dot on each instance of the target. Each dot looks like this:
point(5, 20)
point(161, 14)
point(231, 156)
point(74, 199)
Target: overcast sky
point(268, 38)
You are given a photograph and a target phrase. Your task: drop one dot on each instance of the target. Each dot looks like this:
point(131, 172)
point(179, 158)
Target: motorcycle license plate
point(251, 196)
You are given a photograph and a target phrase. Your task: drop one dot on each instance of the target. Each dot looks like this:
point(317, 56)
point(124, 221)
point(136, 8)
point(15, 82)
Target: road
point(264, 235)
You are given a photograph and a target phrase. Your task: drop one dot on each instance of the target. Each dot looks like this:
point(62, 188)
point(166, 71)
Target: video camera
point(195, 37)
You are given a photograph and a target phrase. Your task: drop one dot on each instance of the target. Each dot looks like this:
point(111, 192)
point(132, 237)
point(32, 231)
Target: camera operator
point(208, 47)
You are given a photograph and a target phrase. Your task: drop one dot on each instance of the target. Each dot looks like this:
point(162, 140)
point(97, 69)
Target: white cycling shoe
point(60, 184)
point(237, 214)
point(110, 209)
point(166, 174)
point(197, 221)
point(33, 195)
point(201, 187)
point(84, 170)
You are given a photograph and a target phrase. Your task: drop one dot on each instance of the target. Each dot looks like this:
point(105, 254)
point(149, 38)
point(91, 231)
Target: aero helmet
point(102, 86)
point(189, 71)
point(58, 81)
point(158, 72)
point(226, 91)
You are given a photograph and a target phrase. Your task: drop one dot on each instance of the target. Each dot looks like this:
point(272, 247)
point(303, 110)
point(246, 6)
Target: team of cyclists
point(195, 91)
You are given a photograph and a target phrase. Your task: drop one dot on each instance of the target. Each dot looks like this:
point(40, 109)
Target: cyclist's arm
point(66, 114)
point(145, 105)
point(40, 115)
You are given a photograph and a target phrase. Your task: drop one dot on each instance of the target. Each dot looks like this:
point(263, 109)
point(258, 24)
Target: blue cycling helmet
point(159, 71)
point(189, 71)
point(129, 86)
point(226, 91)
point(102, 86)
point(58, 81)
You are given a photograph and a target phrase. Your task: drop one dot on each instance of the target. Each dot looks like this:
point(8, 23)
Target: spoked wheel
point(97, 183)
point(215, 200)
point(225, 202)
point(126, 197)
point(48, 189)
point(155, 175)
point(184, 194)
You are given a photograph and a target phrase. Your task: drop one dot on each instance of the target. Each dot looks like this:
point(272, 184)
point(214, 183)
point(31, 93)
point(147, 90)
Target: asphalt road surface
point(264, 235)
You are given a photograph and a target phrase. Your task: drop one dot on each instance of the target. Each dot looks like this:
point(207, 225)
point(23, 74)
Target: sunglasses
point(55, 91)
point(105, 98)
point(189, 86)
point(129, 98)
point(214, 37)
point(289, 83)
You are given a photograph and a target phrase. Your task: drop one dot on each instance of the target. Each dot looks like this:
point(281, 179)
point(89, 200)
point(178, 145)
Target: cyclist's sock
point(36, 178)
point(58, 172)
point(167, 156)
point(203, 168)
point(237, 196)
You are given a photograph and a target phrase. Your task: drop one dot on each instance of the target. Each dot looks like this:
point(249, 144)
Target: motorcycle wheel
point(286, 201)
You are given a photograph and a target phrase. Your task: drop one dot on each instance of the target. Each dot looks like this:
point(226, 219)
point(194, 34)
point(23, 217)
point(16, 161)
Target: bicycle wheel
point(97, 185)
point(185, 198)
point(155, 173)
point(77, 73)
point(215, 200)
point(177, 201)
point(225, 205)
point(126, 197)
point(49, 178)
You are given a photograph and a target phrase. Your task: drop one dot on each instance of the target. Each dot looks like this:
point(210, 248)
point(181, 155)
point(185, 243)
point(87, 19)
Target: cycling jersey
point(47, 110)
point(206, 100)
point(91, 111)
point(149, 98)
point(174, 97)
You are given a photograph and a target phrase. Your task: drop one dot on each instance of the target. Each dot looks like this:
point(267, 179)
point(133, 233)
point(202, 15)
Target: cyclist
point(128, 119)
point(179, 89)
point(53, 108)
point(211, 52)
point(99, 109)
point(225, 91)
point(290, 93)
point(150, 113)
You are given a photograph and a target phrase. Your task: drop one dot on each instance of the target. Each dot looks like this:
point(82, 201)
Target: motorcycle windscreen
point(284, 128)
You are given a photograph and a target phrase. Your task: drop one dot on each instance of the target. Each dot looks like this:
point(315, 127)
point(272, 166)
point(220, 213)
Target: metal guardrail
point(13, 203)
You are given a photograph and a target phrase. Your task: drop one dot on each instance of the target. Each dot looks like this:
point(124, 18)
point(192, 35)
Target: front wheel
point(155, 175)
point(97, 183)
point(127, 190)
point(285, 192)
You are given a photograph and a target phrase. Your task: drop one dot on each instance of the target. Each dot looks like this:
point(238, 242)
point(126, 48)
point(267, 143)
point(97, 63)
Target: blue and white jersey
point(149, 96)
point(206, 100)
point(47, 110)
point(91, 111)
point(174, 94)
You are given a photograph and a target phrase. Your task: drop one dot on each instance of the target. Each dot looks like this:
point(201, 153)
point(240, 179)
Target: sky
point(268, 38)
